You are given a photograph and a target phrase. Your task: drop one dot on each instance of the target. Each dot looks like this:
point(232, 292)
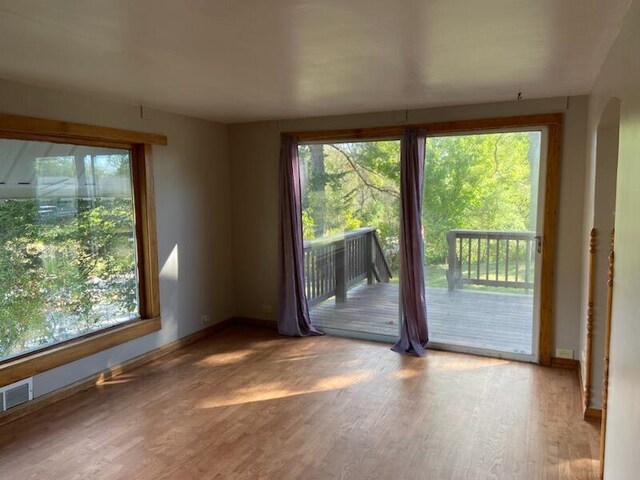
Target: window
point(67, 243)
point(78, 251)
point(548, 196)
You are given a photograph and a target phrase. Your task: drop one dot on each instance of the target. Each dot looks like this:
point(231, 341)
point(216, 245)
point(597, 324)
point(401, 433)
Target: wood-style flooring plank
point(249, 404)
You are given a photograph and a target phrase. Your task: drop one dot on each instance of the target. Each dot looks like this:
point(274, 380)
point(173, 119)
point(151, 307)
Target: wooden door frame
point(553, 124)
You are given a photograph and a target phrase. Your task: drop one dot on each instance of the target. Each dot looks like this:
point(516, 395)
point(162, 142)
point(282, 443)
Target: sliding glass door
point(481, 218)
point(351, 220)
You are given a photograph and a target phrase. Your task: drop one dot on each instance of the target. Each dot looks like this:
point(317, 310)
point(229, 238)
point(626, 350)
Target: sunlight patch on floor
point(225, 358)
point(275, 390)
point(117, 380)
point(456, 365)
point(407, 373)
point(579, 464)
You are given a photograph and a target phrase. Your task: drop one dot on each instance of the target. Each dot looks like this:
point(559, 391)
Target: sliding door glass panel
point(351, 226)
point(480, 220)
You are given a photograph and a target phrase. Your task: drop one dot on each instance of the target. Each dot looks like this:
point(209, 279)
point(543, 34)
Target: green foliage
point(476, 182)
point(63, 276)
point(308, 225)
point(21, 303)
point(357, 186)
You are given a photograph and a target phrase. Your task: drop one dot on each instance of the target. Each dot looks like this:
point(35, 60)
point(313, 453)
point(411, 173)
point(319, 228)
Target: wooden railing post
point(452, 272)
point(369, 256)
point(341, 272)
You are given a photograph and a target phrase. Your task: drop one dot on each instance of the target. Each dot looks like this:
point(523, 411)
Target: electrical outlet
point(564, 353)
point(267, 309)
point(204, 319)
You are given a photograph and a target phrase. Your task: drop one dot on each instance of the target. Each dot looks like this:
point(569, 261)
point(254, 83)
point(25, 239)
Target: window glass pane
point(480, 212)
point(351, 229)
point(67, 243)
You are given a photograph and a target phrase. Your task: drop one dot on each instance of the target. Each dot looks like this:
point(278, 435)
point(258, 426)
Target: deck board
point(468, 318)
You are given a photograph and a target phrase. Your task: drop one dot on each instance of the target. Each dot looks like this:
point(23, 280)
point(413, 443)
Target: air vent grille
point(16, 394)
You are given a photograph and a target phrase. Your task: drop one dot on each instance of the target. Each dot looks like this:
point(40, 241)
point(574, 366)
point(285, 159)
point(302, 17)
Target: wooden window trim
point(396, 131)
point(553, 123)
point(27, 128)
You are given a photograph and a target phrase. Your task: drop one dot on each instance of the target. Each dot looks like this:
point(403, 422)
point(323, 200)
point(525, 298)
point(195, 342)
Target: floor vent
point(16, 394)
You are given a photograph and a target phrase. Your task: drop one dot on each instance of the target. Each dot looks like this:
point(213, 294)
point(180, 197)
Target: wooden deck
point(468, 318)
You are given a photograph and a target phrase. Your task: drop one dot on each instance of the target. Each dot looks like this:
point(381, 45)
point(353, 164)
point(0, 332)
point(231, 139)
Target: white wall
point(620, 77)
point(600, 198)
point(193, 215)
point(254, 149)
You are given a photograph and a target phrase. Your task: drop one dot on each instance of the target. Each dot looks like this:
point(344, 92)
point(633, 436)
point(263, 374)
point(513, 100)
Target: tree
point(21, 302)
point(478, 182)
point(67, 266)
point(358, 186)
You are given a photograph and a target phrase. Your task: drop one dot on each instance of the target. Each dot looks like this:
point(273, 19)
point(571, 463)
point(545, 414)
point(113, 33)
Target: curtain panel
point(413, 323)
point(293, 311)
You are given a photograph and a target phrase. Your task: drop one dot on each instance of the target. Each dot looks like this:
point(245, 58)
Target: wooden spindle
point(517, 259)
point(586, 394)
point(488, 256)
point(497, 258)
point(607, 352)
point(506, 263)
point(527, 262)
point(478, 260)
point(469, 258)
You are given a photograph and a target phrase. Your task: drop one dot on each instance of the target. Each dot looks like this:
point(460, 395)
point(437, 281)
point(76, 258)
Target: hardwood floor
point(248, 404)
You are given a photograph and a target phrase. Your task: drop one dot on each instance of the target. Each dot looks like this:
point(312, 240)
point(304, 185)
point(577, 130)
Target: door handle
point(538, 243)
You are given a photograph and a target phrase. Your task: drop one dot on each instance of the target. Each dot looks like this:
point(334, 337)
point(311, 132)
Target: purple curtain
point(293, 317)
point(413, 333)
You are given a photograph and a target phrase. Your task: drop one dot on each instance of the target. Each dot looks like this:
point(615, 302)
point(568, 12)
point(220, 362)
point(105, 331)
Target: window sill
point(31, 364)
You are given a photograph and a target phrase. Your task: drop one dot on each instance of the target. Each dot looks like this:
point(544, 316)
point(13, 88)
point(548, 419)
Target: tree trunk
point(317, 183)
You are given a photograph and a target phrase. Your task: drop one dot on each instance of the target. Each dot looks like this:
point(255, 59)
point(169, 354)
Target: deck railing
point(332, 265)
point(491, 258)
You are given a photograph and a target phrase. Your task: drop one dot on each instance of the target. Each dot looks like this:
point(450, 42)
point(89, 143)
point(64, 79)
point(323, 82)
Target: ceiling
point(243, 60)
